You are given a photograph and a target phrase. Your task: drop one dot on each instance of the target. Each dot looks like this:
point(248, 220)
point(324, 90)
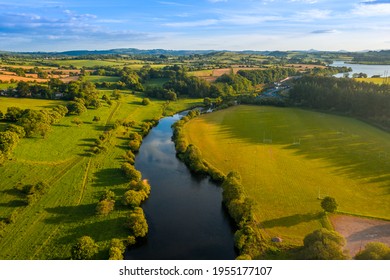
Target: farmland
point(289, 157)
point(48, 228)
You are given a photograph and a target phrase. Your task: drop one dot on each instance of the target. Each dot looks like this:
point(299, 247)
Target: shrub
point(137, 222)
point(374, 251)
point(84, 249)
point(105, 207)
point(130, 172)
point(329, 204)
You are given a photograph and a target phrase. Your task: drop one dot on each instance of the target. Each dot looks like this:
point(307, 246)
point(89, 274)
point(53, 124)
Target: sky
point(56, 25)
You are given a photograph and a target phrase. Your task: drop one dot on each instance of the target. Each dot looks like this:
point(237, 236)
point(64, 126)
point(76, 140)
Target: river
point(368, 69)
point(184, 213)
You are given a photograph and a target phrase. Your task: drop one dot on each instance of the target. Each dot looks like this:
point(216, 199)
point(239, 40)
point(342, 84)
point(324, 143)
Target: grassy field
point(378, 81)
point(48, 228)
point(100, 79)
point(311, 154)
point(158, 82)
point(7, 85)
point(88, 63)
point(28, 103)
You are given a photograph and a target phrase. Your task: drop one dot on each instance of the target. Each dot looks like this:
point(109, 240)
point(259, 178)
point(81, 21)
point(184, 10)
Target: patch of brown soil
point(360, 231)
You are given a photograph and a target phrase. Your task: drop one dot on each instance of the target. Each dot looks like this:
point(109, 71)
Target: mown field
point(48, 228)
point(312, 154)
point(378, 81)
point(28, 103)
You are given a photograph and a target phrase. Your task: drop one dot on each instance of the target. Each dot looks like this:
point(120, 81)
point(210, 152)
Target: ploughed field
point(289, 157)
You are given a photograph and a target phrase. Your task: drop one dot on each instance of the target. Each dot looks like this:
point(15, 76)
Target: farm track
point(65, 170)
point(118, 104)
point(84, 182)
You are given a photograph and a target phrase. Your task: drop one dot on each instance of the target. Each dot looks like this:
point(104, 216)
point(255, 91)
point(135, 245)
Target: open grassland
point(100, 79)
point(378, 81)
point(48, 228)
point(28, 103)
point(7, 85)
point(311, 154)
point(157, 82)
point(79, 63)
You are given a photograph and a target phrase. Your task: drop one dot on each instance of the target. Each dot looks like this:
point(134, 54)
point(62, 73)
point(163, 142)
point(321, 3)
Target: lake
point(370, 70)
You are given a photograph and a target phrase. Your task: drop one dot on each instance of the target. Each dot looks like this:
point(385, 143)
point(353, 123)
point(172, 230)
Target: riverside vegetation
point(70, 128)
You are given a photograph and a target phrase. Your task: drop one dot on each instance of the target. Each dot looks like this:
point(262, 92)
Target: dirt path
point(360, 231)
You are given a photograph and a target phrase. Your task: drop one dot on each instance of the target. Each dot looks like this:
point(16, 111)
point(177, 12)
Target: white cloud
point(196, 23)
point(313, 14)
point(372, 10)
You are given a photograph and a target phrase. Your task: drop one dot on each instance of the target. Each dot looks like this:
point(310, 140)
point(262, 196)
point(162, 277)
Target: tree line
point(367, 101)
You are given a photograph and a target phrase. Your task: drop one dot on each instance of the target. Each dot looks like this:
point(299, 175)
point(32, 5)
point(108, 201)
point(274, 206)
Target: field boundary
point(361, 216)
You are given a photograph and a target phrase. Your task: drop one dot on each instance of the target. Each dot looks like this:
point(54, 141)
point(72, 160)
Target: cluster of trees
point(363, 100)
point(374, 251)
point(32, 192)
point(324, 244)
point(106, 203)
point(248, 239)
point(26, 123)
point(267, 76)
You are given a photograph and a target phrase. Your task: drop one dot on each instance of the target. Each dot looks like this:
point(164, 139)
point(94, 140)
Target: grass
point(79, 63)
point(48, 228)
point(7, 85)
point(337, 156)
point(100, 79)
point(28, 103)
point(378, 81)
point(158, 82)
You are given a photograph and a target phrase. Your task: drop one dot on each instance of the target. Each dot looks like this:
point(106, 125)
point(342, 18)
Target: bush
point(193, 159)
point(130, 172)
point(374, 251)
point(137, 222)
point(84, 249)
point(324, 244)
point(329, 204)
point(146, 101)
point(105, 207)
point(133, 198)
point(117, 249)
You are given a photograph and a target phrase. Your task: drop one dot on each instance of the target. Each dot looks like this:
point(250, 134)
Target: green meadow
point(100, 79)
point(28, 103)
point(289, 157)
point(48, 228)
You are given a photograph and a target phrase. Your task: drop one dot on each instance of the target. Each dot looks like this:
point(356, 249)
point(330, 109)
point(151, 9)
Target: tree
point(84, 249)
point(76, 108)
point(374, 251)
point(145, 101)
point(105, 207)
point(13, 114)
point(117, 249)
point(17, 129)
point(96, 119)
point(137, 222)
point(77, 121)
point(133, 198)
point(130, 172)
point(324, 244)
point(329, 204)
point(8, 142)
point(35, 123)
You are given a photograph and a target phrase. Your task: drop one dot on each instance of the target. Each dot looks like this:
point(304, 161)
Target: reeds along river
point(185, 214)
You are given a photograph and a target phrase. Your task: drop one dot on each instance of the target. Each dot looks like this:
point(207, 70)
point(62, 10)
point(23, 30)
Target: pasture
point(28, 103)
point(289, 157)
point(48, 228)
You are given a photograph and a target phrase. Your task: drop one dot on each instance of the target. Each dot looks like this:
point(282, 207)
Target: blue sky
point(56, 25)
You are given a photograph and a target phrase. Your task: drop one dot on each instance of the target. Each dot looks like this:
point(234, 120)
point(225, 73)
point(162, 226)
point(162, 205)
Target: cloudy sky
point(56, 25)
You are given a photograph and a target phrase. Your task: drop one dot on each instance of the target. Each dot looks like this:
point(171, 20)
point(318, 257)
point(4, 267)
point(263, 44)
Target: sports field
point(289, 157)
point(48, 228)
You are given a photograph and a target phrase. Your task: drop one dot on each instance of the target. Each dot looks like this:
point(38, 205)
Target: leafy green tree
point(77, 121)
point(17, 129)
point(324, 244)
point(117, 249)
point(8, 142)
point(96, 119)
point(76, 108)
point(13, 114)
point(145, 101)
point(105, 207)
point(329, 204)
point(137, 222)
point(374, 251)
point(84, 249)
point(35, 123)
point(133, 198)
point(23, 89)
point(130, 172)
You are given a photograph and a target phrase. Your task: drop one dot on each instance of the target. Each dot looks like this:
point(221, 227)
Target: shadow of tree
point(371, 233)
point(109, 177)
point(292, 220)
point(70, 214)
